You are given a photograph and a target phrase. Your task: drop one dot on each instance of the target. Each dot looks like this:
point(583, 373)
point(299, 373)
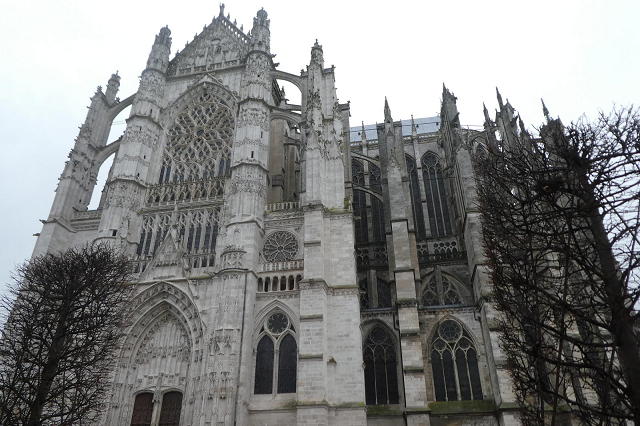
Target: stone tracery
point(280, 246)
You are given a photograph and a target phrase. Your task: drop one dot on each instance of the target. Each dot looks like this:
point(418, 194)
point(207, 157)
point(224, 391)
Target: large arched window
point(416, 202)
point(380, 368)
point(199, 142)
point(434, 188)
point(276, 356)
point(454, 361)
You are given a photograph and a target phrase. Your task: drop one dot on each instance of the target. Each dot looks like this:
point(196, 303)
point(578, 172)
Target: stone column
point(247, 197)
point(129, 177)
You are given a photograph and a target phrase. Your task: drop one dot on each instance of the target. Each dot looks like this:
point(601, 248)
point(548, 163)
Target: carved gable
point(220, 45)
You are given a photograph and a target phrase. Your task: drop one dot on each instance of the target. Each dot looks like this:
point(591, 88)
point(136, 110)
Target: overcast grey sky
point(581, 56)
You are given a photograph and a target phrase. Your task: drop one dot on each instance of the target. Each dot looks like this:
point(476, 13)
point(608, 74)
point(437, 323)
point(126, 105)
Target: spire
point(523, 131)
point(363, 134)
point(387, 112)
point(414, 128)
point(545, 111)
point(486, 114)
point(221, 14)
point(499, 98)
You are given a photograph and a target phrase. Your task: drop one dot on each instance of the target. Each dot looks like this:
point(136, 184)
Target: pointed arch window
point(416, 202)
point(441, 290)
point(454, 361)
point(380, 368)
point(276, 356)
point(199, 142)
point(435, 192)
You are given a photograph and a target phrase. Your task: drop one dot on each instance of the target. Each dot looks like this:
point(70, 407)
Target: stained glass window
point(454, 362)
point(380, 369)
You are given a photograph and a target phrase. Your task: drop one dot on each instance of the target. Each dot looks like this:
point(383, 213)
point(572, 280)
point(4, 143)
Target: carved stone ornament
point(280, 246)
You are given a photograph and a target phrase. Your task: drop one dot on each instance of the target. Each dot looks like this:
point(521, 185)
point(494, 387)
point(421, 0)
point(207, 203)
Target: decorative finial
point(414, 127)
point(221, 9)
point(363, 133)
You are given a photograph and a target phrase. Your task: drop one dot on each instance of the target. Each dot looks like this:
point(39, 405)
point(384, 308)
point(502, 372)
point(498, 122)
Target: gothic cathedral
point(289, 269)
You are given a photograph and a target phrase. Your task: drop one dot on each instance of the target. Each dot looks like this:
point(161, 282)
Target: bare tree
point(63, 325)
point(561, 233)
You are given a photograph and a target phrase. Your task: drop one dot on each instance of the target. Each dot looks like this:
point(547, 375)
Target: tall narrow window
point(434, 187)
point(287, 365)
point(377, 207)
point(142, 409)
point(171, 407)
point(264, 366)
point(416, 203)
point(359, 203)
point(277, 332)
point(380, 369)
point(454, 361)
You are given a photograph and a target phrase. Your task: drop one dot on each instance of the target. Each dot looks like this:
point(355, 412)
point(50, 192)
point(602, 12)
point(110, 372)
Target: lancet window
point(199, 142)
point(359, 203)
point(276, 356)
point(435, 192)
point(380, 368)
point(416, 202)
point(367, 208)
point(454, 362)
point(441, 290)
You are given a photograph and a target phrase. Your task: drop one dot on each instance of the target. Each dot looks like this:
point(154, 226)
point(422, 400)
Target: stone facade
point(290, 269)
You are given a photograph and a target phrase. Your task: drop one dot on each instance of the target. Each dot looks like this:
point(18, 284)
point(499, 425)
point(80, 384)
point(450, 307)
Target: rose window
point(280, 246)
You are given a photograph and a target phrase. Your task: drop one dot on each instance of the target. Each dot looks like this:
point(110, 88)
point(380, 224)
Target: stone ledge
point(311, 356)
point(312, 317)
point(463, 407)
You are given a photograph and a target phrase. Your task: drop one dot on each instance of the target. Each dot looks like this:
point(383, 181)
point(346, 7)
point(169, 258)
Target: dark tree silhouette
point(63, 325)
point(561, 233)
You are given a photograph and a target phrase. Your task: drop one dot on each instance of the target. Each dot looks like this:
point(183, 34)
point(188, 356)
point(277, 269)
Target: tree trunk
point(621, 319)
point(48, 374)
